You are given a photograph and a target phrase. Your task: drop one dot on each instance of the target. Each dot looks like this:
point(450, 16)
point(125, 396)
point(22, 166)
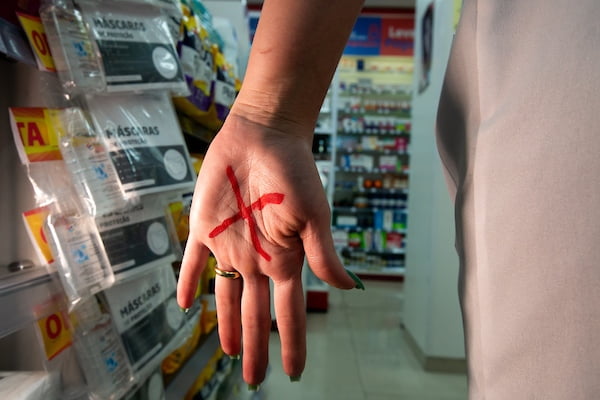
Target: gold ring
point(227, 274)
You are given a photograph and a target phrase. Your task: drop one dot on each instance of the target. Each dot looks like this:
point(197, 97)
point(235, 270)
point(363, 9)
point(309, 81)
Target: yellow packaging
point(38, 40)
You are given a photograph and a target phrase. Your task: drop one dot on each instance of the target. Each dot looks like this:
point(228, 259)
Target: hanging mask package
point(112, 46)
point(87, 158)
point(139, 239)
point(145, 142)
point(148, 318)
point(102, 356)
point(74, 240)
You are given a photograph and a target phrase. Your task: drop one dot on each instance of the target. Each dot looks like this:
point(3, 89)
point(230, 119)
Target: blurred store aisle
point(357, 351)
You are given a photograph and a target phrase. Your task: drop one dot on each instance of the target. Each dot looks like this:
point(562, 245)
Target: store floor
point(357, 351)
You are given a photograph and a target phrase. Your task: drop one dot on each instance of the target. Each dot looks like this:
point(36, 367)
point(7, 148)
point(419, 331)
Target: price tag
point(55, 334)
point(38, 40)
point(34, 221)
point(36, 132)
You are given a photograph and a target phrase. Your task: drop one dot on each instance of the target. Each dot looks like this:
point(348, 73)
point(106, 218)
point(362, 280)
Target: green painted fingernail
point(359, 283)
point(234, 356)
point(253, 388)
point(295, 378)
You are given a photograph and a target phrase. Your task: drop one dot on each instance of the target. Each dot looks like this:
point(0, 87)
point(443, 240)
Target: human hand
point(259, 207)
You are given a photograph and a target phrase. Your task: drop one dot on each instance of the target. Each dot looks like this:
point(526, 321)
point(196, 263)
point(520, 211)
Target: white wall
point(431, 312)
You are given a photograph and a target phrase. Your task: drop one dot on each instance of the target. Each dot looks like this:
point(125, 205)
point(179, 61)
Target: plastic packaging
point(150, 389)
point(112, 46)
point(87, 159)
point(144, 141)
point(101, 352)
point(139, 238)
point(148, 318)
point(83, 265)
point(75, 54)
point(71, 231)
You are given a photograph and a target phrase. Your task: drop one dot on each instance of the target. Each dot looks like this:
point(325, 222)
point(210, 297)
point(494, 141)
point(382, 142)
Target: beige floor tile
point(357, 351)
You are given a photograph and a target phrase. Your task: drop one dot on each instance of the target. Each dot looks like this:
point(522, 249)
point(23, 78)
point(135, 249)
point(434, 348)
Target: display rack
point(372, 164)
point(324, 151)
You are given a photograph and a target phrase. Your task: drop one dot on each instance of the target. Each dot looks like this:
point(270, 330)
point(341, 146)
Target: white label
point(224, 93)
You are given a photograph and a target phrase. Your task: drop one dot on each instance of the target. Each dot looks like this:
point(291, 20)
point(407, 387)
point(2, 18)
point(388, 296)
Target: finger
point(228, 295)
point(291, 323)
point(256, 327)
point(322, 258)
point(194, 261)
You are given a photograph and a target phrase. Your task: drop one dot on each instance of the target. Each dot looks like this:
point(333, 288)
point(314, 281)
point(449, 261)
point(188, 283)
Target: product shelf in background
point(324, 131)
point(360, 229)
point(385, 272)
point(359, 170)
point(377, 133)
point(372, 190)
point(374, 152)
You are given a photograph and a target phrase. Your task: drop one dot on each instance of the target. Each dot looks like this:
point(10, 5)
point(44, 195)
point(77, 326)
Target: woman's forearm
point(296, 49)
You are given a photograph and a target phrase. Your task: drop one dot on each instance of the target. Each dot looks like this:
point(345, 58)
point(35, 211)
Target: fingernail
point(234, 356)
point(359, 283)
point(295, 378)
point(184, 310)
point(253, 388)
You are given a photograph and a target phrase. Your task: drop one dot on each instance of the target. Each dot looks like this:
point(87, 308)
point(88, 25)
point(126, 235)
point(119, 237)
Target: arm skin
point(263, 152)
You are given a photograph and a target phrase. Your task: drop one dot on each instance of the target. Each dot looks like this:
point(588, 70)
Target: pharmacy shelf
point(360, 229)
point(360, 170)
point(373, 152)
point(187, 375)
point(376, 133)
point(21, 295)
point(387, 273)
point(371, 190)
point(401, 116)
point(354, 210)
point(324, 131)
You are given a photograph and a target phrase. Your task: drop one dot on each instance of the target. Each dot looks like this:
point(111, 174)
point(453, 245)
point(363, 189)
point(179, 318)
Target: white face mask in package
point(145, 142)
point(112, 46)
point(148, 318)
point(137, 239)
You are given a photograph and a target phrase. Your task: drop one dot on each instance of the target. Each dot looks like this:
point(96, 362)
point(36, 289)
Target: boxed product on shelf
point(111, 46)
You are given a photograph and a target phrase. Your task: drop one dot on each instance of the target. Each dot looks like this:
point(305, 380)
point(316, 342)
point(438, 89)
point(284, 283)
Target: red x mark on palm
point(245, 212)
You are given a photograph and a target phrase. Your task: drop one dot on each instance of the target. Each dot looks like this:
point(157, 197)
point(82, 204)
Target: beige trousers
point(519, 136)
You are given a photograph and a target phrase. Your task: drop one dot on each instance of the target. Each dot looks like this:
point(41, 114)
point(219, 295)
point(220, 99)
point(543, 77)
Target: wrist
point(275, 114)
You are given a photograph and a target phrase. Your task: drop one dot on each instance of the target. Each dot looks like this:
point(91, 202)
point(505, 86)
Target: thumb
point(323, 259)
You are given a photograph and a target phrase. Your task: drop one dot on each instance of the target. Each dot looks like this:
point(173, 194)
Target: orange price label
point(34, 221)
point(38, 40)
point(55, 334)
point(36, 132)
